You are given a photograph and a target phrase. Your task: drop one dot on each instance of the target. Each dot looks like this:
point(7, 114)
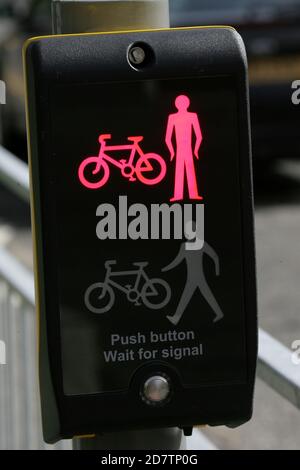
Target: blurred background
point(271, 31)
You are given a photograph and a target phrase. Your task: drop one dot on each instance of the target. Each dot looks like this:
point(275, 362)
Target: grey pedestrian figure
point(196, 279)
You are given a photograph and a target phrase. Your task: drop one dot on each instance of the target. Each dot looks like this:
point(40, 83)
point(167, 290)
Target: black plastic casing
point(197, 52)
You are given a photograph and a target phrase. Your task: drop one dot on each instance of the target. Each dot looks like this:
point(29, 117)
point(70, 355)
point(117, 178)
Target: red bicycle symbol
point(149, 169)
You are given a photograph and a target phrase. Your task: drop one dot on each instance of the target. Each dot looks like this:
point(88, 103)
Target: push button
point(156, 390)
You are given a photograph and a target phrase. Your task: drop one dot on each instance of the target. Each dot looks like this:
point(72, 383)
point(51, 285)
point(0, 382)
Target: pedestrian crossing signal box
point(143, 224)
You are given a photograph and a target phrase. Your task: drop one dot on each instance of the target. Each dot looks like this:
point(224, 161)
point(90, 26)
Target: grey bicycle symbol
point(153, 293)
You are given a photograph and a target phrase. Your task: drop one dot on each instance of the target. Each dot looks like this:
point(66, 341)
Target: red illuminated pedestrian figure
point(185, 125)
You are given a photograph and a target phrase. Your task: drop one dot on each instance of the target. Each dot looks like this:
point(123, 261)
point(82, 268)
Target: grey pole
point(153, 439)
point(81, 16)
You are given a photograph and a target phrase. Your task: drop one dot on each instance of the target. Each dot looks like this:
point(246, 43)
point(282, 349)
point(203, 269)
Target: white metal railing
point(19, 400)
point(275, 367)
point(20, 420)
point(14, 174)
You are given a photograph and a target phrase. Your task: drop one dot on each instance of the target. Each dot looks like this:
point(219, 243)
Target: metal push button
point(156, 390)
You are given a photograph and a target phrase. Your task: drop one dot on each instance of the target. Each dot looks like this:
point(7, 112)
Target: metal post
point(154, 439)
point(81, 16)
